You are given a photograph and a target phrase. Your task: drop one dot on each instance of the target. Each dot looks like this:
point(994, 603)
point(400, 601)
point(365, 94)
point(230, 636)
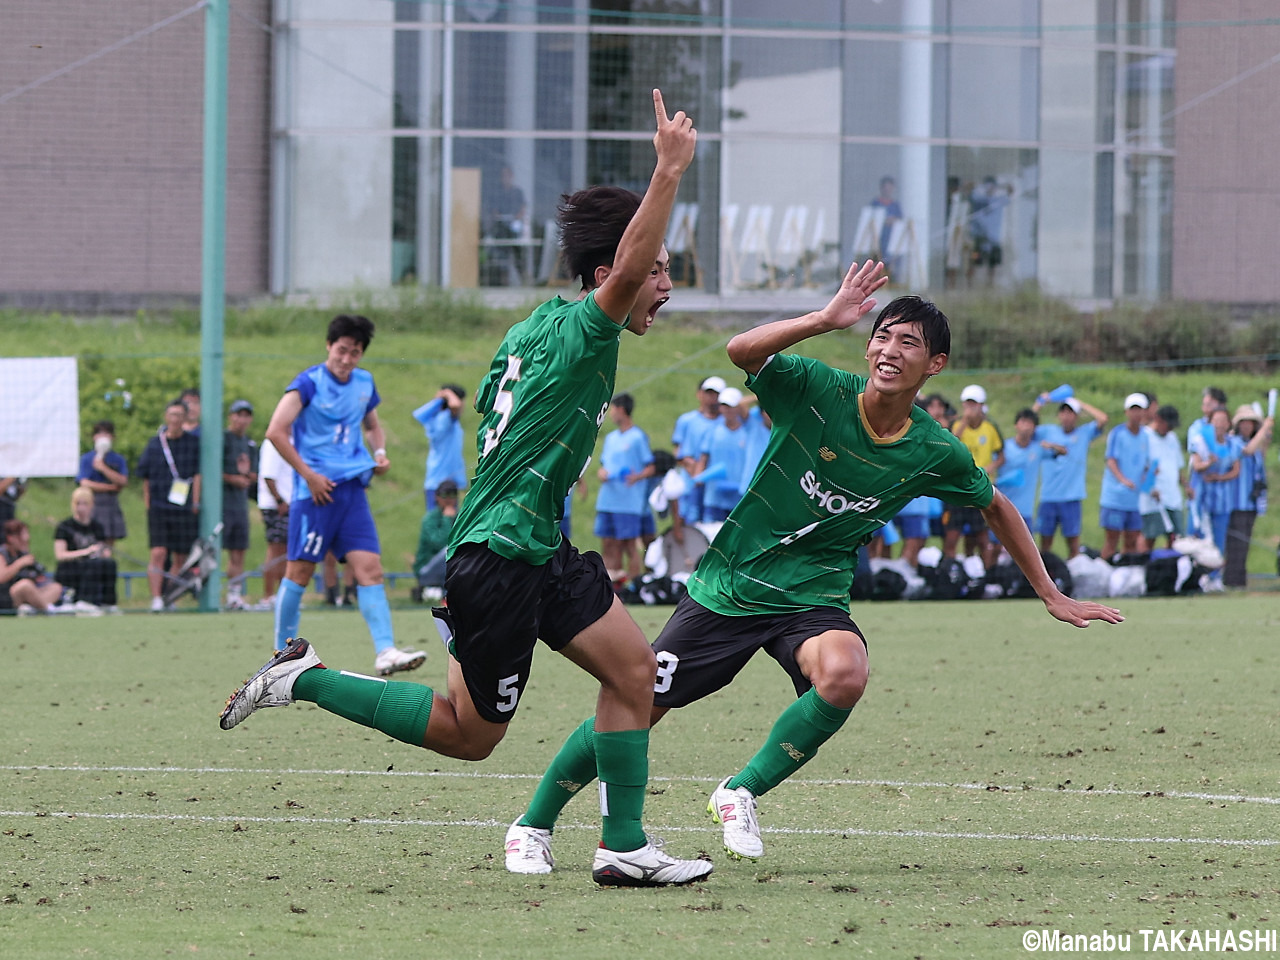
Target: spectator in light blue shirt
point(1249, 495)
point(723, 457)
point(439, 419)
point(1062, 472)
point(691, 430)
point(623, 517)
point(1217, 460)
point(1020, 473)
point(1128, 460)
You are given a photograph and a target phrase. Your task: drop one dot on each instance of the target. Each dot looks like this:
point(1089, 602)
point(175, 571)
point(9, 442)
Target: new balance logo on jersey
point(834, 503)
point(826, 454)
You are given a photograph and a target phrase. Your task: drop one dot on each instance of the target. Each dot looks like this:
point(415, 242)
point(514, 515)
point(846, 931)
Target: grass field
point(1004, 773)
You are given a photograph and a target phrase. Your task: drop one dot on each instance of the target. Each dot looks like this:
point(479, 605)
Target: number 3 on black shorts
point(667, 663)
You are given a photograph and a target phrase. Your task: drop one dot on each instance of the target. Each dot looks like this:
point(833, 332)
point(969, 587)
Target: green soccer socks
point(796, 736)
point(396, 708)
point(571, 770)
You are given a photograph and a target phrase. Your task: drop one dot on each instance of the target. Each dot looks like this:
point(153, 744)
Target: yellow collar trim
point(875, 437)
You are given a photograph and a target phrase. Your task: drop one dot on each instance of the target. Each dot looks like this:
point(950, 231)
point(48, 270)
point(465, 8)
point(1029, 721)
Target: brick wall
point(100, 169)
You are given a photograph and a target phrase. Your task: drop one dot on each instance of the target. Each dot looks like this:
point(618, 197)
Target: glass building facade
point(967, 143)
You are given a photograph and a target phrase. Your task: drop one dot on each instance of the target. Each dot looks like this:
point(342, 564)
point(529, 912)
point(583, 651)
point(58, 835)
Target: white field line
point(781, 831)
point(1154, 792)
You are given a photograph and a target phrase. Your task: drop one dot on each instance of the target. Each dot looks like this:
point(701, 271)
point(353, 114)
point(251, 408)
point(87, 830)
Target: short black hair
point(353, 325)
point(934, 326)
point(454, 388)
point(663, 460)
point(1217, 394)
point(189, 392)
point(105, 426)
point(625, 401)
point(1170, 415)
point(447, 488)
point(1026, 413)
point(592, 222)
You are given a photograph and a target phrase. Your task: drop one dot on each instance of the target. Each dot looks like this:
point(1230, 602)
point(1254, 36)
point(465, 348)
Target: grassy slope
point(661, 370)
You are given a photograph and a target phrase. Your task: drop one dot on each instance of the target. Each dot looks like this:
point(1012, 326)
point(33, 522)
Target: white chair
point(682, 239)
point(730, 264)
point(755, 237)
point(790, 247)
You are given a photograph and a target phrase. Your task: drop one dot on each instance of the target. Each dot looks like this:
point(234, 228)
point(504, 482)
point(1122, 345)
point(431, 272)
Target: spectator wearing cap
point(1250, 490)
point(722, 459)
point(983, 440)
point(1062, 472)
point(1199, 436)
point(623, 516)
point(439, 420)
point(1160, 497)
point(239, 476)
point(433, 542)
point(687, 437)
point(1127, 464)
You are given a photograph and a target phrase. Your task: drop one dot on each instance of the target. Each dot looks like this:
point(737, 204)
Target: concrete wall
point(1226, 181)
point(100, 169)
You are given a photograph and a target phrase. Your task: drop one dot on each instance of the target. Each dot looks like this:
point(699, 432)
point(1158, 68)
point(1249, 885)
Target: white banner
point(40, 429)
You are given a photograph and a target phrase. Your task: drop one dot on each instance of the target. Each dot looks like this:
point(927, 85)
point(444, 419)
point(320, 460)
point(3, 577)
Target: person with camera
point(104, 473)
point(24, 582)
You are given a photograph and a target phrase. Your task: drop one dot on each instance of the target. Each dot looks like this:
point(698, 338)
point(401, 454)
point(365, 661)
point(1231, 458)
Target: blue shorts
point(619, 526)
point(342, 525)
point(913, 526)
point(1112, 519)
point(1055, 513)
point(648, 527)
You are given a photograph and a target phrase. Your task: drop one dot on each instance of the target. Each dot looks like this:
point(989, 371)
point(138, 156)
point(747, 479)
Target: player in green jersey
point(511, 577)
point(845, 453)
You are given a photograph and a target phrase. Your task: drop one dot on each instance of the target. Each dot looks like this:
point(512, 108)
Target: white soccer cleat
point(393, 660)
point(157, 605)
point(735, 810)
point(646, 867)
point(528, 849)
point(272, 686)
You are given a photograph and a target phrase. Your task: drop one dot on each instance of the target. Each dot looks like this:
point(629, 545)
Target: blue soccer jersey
point(625, 453)
point(444, 433)
point(1020, 474)
point(328, 433)
point(1062, 476)
point(1132, 455)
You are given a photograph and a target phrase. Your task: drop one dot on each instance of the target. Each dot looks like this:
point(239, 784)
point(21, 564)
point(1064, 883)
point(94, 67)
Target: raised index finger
point(660, 108)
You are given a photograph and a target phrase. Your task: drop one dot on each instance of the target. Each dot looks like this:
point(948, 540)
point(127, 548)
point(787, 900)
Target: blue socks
point(377, 614)
point(288, 609)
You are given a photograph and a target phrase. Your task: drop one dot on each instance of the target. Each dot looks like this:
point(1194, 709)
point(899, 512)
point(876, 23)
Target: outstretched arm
point(1008, 526)
point(641, 242)
point(852, 302)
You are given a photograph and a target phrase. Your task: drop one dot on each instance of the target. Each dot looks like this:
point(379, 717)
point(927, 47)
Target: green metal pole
point(213, 278)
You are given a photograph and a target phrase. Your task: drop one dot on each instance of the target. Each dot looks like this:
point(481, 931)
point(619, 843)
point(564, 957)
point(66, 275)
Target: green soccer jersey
point(825, 485)
point(542, 403)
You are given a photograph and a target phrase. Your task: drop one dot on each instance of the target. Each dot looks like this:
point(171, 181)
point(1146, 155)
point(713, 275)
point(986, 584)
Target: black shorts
point(277, 525)
point(500, 608)
point(235, 531)
point(965, 519)
point(700, 651)
point(175, 530)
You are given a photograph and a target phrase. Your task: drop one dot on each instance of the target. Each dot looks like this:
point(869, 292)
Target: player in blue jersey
point(318, 428)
